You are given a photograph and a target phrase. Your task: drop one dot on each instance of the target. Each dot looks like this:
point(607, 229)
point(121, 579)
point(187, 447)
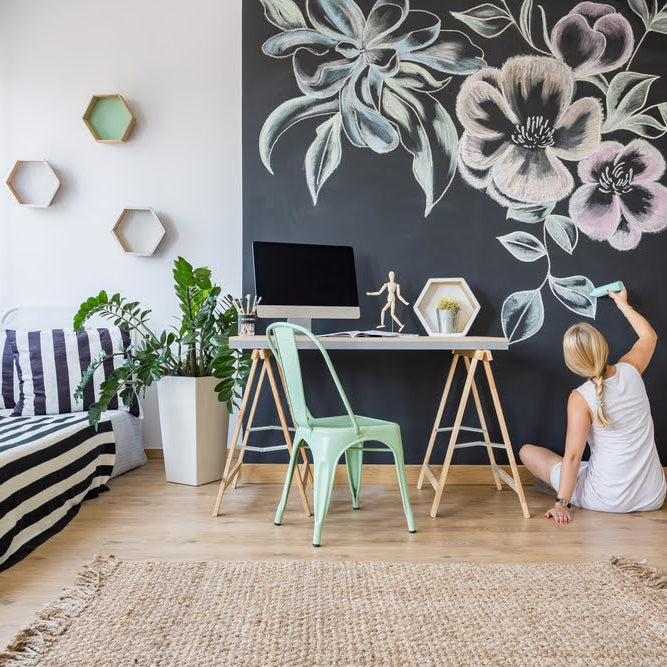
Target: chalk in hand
point(617, 286)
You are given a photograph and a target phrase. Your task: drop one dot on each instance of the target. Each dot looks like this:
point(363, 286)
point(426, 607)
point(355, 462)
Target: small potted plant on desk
point(195, 367)
point(447, 311)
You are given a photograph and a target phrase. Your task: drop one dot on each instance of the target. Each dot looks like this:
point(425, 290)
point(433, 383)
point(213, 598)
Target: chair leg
point(397, 451)
point(294, 457)
point(353, 461)
point(325, 471)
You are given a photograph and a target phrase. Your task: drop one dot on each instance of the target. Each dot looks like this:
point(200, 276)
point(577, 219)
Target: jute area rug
point(351, 613)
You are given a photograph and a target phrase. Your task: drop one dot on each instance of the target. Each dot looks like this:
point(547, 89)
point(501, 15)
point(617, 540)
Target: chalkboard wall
point(481, 151)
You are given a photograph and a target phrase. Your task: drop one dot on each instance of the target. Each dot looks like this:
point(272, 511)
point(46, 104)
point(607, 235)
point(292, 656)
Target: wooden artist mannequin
point(393, 291)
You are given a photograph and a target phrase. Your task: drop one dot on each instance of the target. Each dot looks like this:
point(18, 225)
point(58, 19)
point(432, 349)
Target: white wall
point(178, 65)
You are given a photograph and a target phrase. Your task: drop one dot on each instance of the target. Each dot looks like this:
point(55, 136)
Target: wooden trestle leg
point(235, 453)
point(472, 359)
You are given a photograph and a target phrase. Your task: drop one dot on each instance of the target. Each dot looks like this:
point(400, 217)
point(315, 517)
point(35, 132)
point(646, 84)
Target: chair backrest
point(282, 341)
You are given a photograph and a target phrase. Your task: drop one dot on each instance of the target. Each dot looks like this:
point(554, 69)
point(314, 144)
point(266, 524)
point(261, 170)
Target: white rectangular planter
point(194, 428)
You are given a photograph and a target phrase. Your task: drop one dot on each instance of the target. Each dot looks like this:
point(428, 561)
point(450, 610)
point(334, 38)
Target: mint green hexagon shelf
point(109, 118)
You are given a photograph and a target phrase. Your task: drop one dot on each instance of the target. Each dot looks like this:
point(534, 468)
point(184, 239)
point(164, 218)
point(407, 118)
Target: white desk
point(381, 343)
point(472, 349)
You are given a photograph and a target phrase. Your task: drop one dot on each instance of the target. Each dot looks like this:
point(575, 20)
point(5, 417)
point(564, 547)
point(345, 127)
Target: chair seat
point(343, 422)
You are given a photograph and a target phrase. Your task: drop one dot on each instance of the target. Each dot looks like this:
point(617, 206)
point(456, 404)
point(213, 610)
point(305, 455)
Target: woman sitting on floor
point(611, 411)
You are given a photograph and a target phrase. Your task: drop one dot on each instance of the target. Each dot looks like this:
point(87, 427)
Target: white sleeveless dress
point(624, 472)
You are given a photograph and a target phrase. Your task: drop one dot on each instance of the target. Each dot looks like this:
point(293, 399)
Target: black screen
point(298, 274)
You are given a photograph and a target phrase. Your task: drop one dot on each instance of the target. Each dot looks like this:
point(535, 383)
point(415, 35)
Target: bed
point(50, 464)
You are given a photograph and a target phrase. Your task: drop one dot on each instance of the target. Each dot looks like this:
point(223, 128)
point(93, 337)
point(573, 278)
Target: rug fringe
point(650, 576)
point(32, 642)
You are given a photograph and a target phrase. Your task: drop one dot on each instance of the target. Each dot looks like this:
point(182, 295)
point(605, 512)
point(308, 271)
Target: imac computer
point(303, 281)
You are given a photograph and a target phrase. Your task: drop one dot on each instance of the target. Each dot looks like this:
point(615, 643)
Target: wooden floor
point(143, 517)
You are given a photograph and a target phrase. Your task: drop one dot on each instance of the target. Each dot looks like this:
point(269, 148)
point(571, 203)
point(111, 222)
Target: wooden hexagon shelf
point(138, 231)
point(33, 183)
point(452, 288)
point(109, 119)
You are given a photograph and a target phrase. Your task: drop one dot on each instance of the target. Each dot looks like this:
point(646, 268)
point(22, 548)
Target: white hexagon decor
point(451, 288)
point(33, 183)
point(138, 231)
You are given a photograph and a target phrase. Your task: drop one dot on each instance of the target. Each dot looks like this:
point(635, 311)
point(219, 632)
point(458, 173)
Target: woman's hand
point(559, 514)
point(620, 299)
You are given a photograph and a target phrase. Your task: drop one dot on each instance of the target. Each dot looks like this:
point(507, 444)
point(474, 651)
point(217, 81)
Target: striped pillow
point(9, 380)
point(51, 363)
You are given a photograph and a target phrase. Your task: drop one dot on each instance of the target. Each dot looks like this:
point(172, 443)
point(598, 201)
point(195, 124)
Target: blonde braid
point(600, 413)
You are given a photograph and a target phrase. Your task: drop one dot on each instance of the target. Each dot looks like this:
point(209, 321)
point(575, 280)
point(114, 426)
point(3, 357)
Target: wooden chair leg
point(482, 423)
point(454, 436)
point(286, 433)
point(237, 431)
point(506, 437)
point(251, 418)
point(438, 420)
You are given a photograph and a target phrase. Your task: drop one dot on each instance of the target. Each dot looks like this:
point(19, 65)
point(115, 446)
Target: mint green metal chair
point(330, 437)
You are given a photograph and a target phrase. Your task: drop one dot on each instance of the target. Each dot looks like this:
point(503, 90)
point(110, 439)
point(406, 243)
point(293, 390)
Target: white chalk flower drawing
point(535, 135)
point(371, 78)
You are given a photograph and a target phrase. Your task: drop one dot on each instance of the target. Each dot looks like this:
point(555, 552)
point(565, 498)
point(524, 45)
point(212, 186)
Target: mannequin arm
point(398, 294)
point(382, 289)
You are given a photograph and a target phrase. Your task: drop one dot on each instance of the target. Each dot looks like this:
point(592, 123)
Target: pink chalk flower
point(592, 38)
point(620, 199)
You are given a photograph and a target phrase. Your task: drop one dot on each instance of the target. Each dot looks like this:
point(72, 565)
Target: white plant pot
point(194, 428)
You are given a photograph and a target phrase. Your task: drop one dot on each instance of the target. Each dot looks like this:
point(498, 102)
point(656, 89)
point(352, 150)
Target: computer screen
point(305, 280)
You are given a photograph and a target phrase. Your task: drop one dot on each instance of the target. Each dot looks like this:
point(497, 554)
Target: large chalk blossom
point(593, 38)
point(620, 199)
point(520, 124)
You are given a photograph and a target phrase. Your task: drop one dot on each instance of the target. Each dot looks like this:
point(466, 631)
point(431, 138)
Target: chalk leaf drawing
point(376, 73)
point(522, 314)
point(574, 293)
point(563, 231)
point(620, 198)
point(535, 127)
point(525, 247)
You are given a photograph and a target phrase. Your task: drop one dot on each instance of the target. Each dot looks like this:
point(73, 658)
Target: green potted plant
point(447, 312)
point(192, 363)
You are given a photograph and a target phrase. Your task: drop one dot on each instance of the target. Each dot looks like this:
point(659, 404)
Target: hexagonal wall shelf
point(453, 288)
point(109, 119)
point(33, 183)
point(138, 231)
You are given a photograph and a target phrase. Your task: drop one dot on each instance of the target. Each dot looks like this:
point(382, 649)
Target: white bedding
point(127, 433)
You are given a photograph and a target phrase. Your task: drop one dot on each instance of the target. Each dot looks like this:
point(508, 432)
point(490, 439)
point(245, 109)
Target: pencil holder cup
point(246, 324)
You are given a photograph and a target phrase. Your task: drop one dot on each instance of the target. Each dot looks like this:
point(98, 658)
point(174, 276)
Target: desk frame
point(233, 469)
point(471, 359)
point(472, 350)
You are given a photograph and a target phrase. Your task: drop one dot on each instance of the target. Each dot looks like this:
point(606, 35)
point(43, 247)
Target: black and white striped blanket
point(48, 466)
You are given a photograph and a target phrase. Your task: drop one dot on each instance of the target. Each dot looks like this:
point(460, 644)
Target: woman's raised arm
point(641, 352)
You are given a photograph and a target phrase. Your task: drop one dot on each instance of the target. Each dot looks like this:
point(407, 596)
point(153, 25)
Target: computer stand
point(305, 322)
